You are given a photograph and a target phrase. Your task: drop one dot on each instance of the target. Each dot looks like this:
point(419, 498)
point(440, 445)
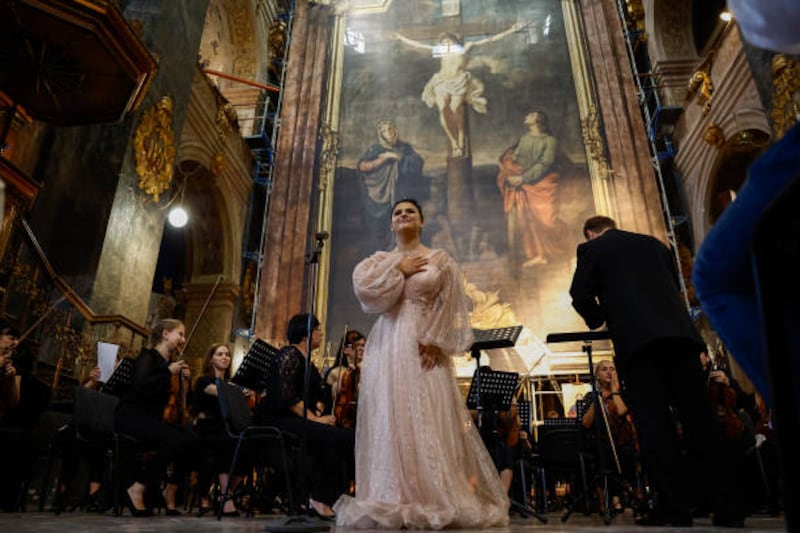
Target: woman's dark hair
point(166, 324)
point(410, 201)
point(351, 338)
point(208, 364)
point(297, 329)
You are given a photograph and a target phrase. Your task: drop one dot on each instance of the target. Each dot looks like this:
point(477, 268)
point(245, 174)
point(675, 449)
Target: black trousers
point(667, 374)
point(330, 461)
point(172, 444)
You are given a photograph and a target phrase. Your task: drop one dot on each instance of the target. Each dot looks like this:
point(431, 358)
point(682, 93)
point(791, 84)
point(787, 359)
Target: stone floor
point(79, 521)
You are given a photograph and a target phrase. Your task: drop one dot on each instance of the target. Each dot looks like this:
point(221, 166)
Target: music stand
point(252, 373)
point(488, 339)
point(121, 379)
point(586, 338)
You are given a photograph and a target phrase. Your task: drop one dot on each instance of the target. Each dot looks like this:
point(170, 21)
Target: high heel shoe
point(314, 513)
point(137, 513)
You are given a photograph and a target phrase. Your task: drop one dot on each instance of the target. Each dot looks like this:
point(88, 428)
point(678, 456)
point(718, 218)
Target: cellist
point(140, 414)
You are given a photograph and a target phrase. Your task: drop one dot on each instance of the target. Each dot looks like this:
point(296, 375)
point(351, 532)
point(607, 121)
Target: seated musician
point(348, 360)
point(140, 414)
point(211, 428)
point(92, 452)
point(619, 424)
point(13, 438)
point(329, 447)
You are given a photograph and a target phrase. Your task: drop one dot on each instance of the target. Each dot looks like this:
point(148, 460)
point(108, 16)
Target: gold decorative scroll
point(593, 140)
point(714, 135)
point(786, 96)
point(154, 148)
point(700, 84)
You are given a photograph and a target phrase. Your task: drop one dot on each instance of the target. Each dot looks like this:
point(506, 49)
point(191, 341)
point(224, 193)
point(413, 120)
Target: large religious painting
point(471, 108)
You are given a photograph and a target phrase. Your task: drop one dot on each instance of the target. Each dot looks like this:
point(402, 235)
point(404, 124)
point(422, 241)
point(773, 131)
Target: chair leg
point(46, 478)
point(224, 490)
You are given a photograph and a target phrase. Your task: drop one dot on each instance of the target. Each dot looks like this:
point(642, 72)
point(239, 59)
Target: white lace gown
point(420, 463)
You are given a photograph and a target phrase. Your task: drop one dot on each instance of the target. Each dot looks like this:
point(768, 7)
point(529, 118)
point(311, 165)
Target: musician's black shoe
point(662, 518)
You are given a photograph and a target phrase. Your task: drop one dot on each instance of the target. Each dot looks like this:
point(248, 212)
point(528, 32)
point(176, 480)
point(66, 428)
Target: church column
point(215, 324)
point(281, 292)
point(634, 183)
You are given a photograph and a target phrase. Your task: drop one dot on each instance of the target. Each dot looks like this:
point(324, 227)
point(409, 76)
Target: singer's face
point(406, 215)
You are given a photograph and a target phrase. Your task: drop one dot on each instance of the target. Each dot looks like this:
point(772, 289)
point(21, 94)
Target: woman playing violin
point(211, 428)
point(140, 415)
point(343, 378)
point(619, 424)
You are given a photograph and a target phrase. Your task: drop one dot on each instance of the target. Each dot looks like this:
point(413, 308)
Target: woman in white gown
point(420, 463)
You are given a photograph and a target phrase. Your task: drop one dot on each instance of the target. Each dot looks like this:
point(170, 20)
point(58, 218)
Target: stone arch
point(746, 135)
point(669, 30)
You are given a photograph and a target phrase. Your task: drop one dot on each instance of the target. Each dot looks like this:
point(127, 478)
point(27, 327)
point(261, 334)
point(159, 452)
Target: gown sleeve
point(377, 282)
point(448, 325)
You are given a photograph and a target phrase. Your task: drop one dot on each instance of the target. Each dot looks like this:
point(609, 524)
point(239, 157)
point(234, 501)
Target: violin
point(176, 408)
point(347, 398)
point(724, 403)
point(509, 424)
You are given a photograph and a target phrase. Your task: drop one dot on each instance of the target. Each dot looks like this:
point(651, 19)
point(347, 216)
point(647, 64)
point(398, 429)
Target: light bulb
point(178, 217)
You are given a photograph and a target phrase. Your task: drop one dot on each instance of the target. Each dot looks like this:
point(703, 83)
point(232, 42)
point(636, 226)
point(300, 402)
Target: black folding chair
point(239, 427)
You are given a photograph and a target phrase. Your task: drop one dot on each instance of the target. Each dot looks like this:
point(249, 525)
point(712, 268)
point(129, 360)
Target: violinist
point(733, 423)
point(211, 427)
point(329, 447)
point(343, 378)
point(619, 428)
point(140, 414)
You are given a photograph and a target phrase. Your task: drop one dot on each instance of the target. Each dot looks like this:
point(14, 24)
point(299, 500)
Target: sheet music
point(106, 359)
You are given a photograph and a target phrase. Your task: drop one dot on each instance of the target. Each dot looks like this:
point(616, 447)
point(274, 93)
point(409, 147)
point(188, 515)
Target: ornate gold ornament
point(226, 119)
point(700, 83)
point(154, 148)
point(217, 163)
point(714, 135)
point(593, 139)
point(330, 151)
point(786, 97)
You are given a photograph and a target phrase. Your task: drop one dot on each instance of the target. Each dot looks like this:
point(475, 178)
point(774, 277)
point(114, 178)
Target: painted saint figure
point(389, 170)
point(453, 86)
point(528, 180)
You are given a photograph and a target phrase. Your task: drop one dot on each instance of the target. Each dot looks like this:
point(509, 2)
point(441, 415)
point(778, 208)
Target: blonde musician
point(140, 415)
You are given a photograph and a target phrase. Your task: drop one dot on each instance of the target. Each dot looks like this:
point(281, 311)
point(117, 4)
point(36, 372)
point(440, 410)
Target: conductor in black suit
point(629, 282)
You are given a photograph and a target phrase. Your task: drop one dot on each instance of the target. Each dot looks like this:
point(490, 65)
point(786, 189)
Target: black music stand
point(603, 474)
point(121, 379)
point(252, 373)
point(489, 339)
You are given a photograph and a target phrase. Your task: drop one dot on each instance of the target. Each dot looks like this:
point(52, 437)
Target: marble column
point(634, 184)
point(283, 286)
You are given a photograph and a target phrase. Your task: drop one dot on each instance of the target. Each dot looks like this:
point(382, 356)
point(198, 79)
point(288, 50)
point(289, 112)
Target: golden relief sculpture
point(786, 98)
point(714, 135)
point(329, 153)
point(593, 139)
point(154, 148)
point(700, 84)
